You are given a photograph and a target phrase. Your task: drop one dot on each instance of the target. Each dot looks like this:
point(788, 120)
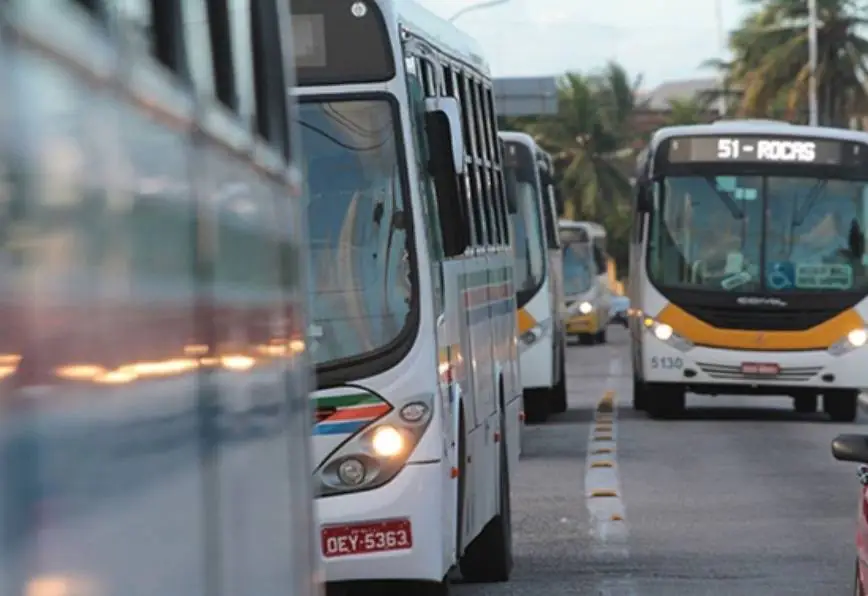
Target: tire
point(586, 339)
point(805, 404)
point(601, 337)
point(536, 405)
point(841, 405)
point(558, 394)
point(489, 557)
point(665, 401)
point(640, 397)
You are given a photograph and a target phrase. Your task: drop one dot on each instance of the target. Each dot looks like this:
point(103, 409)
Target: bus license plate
point(760, 368)
point(357, 539)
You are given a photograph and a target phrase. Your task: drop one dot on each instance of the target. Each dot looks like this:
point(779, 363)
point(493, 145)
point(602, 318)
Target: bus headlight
point(376, 454)
point(585, 308)
point(667, 335)
point(535, 333)
point(854, 339)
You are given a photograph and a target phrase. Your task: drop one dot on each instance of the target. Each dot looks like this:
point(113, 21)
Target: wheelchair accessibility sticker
point(781, 275)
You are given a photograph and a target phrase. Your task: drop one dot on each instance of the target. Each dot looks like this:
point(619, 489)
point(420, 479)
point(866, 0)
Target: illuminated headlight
point(667, 335)
point(377, 453)
point(854, 339)
point(387, 441)
point(585, 308)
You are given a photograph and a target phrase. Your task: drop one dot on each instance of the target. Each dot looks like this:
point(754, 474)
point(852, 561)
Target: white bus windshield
point(577, 269)
point(361, 282)
point(759, 233)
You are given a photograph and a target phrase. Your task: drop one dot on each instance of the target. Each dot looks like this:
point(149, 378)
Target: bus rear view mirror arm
point(444, 120)
point(851, 448)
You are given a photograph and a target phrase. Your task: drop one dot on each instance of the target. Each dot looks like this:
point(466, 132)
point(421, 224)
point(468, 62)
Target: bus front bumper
point(714, 370)
point(415, 498)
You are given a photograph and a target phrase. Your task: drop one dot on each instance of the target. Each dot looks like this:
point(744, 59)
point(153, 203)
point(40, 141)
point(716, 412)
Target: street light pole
point(473, 7)
point(812, 62)
point(721, 41)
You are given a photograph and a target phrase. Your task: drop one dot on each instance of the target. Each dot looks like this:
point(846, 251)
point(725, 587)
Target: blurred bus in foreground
point(418, 394)
point(154, 419)
point(748, 265)
point(538, 275)
point(587, 284)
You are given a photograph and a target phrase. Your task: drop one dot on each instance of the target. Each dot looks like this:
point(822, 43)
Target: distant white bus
point(413, 306)
point(587, 287)
point(538, 275)
point(748, 265)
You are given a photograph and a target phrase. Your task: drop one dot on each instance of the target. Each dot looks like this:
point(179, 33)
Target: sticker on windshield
point(733, 281)
point(824, 277)
point(781, 275)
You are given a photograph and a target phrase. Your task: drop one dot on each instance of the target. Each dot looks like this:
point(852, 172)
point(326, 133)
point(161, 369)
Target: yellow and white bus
point(538, 275)
point(418, 394)
point(748, 265)
point(587, 283)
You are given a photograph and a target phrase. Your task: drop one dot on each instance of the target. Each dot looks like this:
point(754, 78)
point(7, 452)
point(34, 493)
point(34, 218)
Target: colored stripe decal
point(819, 337)
point(339, 428)
point(362, 413)
point(343, 401)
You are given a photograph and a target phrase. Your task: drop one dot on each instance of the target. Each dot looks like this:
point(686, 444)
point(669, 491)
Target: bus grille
point(761, 320)
point(733, 373)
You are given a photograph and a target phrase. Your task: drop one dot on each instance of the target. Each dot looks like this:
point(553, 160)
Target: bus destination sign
point(757, 149)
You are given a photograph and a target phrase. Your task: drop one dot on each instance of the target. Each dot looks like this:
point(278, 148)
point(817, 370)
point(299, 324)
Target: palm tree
point(771, 66)
point(587, 138)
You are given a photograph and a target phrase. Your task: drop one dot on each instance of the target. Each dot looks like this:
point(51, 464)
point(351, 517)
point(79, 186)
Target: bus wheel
point(805, 404)
point(586, 339)
point(665, 401)
point(841, 405)
point(441, 588)
point(489, 557)
point(536, 405)
point(558, 395)
point(640, 398)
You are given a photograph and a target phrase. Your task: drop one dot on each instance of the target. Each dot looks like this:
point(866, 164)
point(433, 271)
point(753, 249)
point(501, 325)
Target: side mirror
point(559, 201)
point(511, 184)
point(851, 448)
point(444, 120)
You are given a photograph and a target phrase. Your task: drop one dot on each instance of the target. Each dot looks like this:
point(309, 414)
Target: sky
point(662, 40)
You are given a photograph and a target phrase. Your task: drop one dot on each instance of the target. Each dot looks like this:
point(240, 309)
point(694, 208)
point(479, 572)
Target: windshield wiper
point(725, 196)
point(811, 198)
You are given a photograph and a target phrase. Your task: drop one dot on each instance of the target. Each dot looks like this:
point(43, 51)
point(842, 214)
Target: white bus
point(533, 213)
point(587, 287)
point(154, 410)
point(413, 307)
point(748, 265)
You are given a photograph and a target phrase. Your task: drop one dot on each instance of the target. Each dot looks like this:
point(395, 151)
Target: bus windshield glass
point(577, 269)
point(361, 278)
point(759, 233)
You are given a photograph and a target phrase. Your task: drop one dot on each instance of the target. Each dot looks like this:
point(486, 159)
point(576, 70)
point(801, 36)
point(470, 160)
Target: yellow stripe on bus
point(525, 320)
point(819, 337)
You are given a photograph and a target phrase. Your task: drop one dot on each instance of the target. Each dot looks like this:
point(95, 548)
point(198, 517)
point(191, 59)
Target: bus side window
point(452, 206)
point(420, 83)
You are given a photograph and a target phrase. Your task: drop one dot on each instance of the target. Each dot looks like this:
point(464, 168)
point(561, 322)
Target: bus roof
point(423, 23)
point(591, 227)
point(740, 127)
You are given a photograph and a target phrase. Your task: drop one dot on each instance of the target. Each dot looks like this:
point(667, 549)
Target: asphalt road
point(740, 497)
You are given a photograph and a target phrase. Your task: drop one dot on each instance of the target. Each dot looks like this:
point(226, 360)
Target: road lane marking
point(603, 496)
